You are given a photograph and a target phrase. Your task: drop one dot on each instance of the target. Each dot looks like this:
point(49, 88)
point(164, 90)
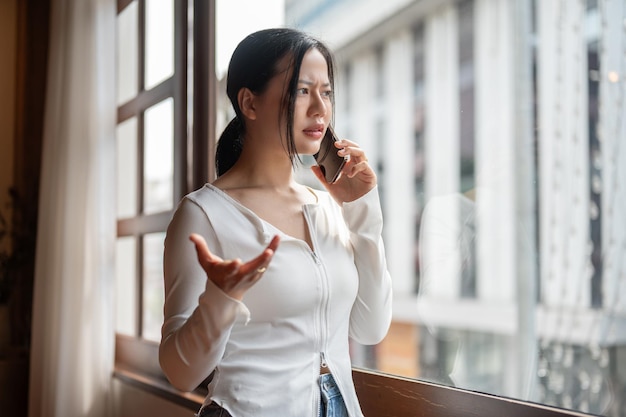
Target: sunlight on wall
point(232, 25)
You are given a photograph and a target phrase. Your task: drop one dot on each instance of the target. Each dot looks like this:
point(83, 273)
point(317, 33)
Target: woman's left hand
point(357, 176)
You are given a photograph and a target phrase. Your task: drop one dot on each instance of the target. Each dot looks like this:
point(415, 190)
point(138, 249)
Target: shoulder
point(203, 196)
point(200, 203)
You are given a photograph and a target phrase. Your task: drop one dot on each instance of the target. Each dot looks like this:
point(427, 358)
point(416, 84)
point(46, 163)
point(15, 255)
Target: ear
point(247, 103)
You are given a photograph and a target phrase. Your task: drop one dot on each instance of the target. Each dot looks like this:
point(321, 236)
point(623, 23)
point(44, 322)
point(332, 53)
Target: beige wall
point(8, 45)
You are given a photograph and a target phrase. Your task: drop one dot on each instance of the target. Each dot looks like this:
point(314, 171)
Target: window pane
point(502, 194)
point(153, 290)
point(158, 157)
point(127, 50)
point(159, 41)
point(126, 286)
point(508, 123)
point(127, 168)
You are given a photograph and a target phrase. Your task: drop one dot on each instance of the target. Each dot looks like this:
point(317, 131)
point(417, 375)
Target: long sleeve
point(198, 316)
point(371, 314)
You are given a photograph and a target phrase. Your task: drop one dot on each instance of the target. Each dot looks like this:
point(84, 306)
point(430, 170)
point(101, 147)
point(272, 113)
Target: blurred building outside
point(498, 133)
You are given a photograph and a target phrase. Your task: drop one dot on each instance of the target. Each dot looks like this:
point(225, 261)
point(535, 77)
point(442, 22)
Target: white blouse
point(267, 349)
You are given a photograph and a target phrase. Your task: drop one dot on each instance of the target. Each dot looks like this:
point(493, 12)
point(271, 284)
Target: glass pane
point(159, 41)
point(126, 286)
point(153, 290)
point(127, 53)
point(503, 196)
point(127, 168)
point(158, 157)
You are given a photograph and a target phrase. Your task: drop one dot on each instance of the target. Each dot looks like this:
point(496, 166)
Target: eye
point(302, 91)
point(328, 93)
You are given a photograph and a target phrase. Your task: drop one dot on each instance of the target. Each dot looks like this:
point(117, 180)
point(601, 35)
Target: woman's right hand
point(234, 277)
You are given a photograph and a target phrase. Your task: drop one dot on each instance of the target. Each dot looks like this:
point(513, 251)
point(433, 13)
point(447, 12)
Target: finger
point(355, 153)
point(255, 266)
point(344, 143)
point(318, 173)
point(202, 250)
point(230, 268)
point(263, 260)
point(274, 243)
point(213, 265)
point(361, 167)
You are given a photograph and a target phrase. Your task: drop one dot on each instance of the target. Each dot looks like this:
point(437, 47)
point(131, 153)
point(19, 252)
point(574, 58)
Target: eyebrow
point(305, 82)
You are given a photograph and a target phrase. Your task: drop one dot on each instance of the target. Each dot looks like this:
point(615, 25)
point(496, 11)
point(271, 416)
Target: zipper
point(323, 311)
point(323, 320)
point(316, 258)
point(323, 363)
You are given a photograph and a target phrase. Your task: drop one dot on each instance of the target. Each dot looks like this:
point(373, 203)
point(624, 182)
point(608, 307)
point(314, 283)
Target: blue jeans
point(332, 404)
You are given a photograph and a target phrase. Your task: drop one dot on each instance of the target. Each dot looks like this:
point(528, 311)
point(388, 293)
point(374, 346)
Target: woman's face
point(313, 106)
point(312, 109)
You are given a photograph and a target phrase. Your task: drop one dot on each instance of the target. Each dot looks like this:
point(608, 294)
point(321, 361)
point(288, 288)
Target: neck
point(261, 167)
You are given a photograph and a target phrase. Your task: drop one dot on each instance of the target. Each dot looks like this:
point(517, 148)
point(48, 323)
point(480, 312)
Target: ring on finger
point(261, 270)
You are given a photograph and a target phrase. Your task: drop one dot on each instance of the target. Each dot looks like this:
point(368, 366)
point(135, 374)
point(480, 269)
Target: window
point(150, 118)
point(509, 164)
point(497, 128)
point(164, 50)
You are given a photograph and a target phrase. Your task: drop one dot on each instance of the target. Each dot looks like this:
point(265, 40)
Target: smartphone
point(330, 163)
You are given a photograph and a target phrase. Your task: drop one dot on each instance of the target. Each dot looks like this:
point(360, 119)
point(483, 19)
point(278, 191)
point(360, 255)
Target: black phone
point(330, 163)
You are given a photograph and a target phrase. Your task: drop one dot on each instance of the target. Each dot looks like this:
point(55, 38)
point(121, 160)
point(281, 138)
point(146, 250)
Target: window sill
point(382, 396)
point(161, 388)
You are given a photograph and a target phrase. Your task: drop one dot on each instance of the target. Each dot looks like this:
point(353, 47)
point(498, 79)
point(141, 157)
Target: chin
point(309, 149)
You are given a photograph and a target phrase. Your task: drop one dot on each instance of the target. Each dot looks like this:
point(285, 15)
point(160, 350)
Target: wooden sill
point(161, 388)
point(383, 396)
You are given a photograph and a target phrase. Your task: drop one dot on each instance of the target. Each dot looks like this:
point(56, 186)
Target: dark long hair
point(253, 64)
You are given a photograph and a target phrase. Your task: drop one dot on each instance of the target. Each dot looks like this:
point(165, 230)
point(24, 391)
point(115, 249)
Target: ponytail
point(229, 147)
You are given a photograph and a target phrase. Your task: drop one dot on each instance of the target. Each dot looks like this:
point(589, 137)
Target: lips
point(316, 131)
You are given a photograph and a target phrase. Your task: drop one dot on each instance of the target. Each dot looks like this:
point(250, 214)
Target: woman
point(292, 272)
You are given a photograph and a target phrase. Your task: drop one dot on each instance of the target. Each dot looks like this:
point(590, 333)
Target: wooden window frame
point(199, 142)
point(174, 87)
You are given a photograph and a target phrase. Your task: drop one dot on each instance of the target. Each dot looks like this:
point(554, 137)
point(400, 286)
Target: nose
point(318, 105)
